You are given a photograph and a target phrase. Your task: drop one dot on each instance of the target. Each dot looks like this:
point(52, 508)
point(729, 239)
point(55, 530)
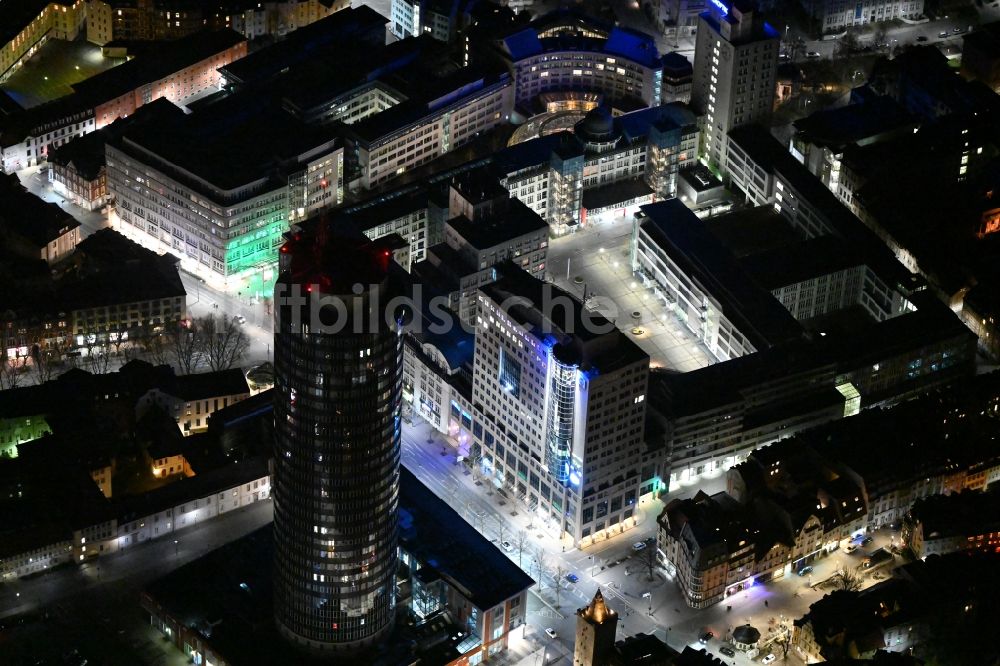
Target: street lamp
point(175, 549)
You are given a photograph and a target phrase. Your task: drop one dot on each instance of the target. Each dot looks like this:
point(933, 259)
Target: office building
point(486, 227)
point(606, 166)
point(467, 599)
point(833, 16)
point(735, 64)
point(219, 195)
point(565, 51)
point(337, 449)
point(562, 393)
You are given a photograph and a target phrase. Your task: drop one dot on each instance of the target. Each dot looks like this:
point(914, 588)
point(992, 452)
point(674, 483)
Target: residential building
point(939, 524)
point(118, 20)
point(115, 291)
point(821, 139)
point(77, 169)
point(192, 399)
point(32, 228)
point(180, 70)
point(735, 64)
point(26, 26)
point(562, 393)
point(775, 519)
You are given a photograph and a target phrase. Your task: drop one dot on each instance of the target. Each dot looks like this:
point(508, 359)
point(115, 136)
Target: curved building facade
point(338, 370)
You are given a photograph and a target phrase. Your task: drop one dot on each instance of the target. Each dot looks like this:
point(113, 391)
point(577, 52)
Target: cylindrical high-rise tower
point(338, 371)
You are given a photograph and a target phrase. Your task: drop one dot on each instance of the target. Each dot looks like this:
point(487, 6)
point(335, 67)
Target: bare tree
point(880, 38)
point(157, 348)
point(521, 542)
point(501, 530)
point(222, 341)
point(98, 359)
point(796, 49)
point(559, 572)
point(846, 579)
point(45, 364)
point(10, 371)
point(541, 560)
point(182, 348)
point(847, 45)
point(649, 558)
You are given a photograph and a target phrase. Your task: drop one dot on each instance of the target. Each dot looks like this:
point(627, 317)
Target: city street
point(100, 599)
point(36, 180)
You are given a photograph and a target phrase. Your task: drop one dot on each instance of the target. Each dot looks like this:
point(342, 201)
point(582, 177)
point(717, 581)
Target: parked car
point(706, 637)
point(572, 577)
point(769, 659)
point(805, 571)
point(957, 31)
point(921, 38)
point(506, 545)
point(867, 540)
point(850, 548)
point(639, 546)
point(813, 55)
point(241, 319)
point(551, 633)
point(942, 35)
point(728, 651)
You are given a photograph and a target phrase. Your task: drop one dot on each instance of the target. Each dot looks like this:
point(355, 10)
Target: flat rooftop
point(751, 308)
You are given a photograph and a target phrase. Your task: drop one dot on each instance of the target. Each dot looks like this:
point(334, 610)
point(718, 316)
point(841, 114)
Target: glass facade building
point(338, 369)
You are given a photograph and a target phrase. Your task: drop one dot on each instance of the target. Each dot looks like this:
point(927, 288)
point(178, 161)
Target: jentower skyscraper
point(338, 369)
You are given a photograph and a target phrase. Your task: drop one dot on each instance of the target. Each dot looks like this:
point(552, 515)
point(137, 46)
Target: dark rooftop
point(203, 385)
point(808, 259)
point(753, 310)
point(856, 123)
point(25, 215)
point(512, 221)
point(439, 538)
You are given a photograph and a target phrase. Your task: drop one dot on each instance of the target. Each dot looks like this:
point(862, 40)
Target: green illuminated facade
point(228, 235)
point(20, 429)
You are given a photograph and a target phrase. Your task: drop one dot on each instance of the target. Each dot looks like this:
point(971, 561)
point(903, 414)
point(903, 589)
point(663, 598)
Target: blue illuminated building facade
point(561, 394)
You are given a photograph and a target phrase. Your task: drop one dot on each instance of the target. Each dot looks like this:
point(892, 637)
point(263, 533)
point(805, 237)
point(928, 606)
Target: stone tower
point(595, 633)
